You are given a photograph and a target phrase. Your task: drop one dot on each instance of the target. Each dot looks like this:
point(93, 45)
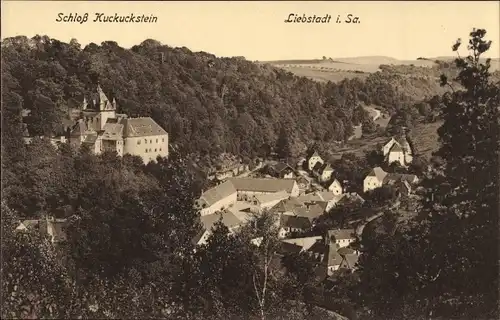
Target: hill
point(337, 69)
point(209, 105)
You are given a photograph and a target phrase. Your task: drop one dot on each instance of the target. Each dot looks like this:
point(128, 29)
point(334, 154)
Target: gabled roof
point(312, 153)
point(410, 178)
point(268, 197)
point(379, 173)
point(228, 219)
point(90, 138)
point(334, 258)
point(218, 193)
point(287, 205)
point(286, 247)
point(318, 167)
point(263, 184)
point(280, 166)
point(305, 243)
point(396, 148)
point(295, 222)
point(326, 167)
point(349, 261)
point(341, 234)
point(141, 127)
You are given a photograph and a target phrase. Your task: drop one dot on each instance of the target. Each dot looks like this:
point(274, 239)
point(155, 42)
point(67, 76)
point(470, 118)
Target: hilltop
point(337, 69)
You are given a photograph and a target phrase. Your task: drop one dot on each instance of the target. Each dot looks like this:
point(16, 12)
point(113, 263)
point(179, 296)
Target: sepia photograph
point(253, 160)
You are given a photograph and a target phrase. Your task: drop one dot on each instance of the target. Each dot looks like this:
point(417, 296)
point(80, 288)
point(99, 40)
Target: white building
point(313, 159)
point(335, 187)
point(249, 187)
point(101, 128)
point(378, 177)
point(398, 151)
point(216, 199)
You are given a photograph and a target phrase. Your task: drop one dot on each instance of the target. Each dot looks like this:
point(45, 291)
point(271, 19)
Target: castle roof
point(141, 127)
point(79, 128)
point(113, 131)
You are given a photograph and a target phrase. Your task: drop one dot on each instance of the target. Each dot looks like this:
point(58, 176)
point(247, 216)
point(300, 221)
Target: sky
point(256, 30)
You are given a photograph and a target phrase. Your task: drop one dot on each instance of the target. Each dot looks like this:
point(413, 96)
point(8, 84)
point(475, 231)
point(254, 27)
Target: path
point(358, 130)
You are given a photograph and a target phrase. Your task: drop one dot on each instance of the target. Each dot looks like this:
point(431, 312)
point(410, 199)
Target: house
point(51, 227)
point(342, 237)
point(349, 258)
point(287, 206)
point(312, 159)
point(335, 187)
point(248, 187)
point(289, 224)
point(309, 211)
point(102, 129)
point(269, 200)
point(208, 221)
point(215, 199)
point(352, 197)
point(324, 172)
point(321, 196)
point(378, 177)
point(281, 170)
point(398, 150)
point(303, 183)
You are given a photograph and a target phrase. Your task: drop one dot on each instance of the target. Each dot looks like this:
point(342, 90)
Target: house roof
point(335, 181)
point(90, 139)
point(295, 222)
point(312, 212)
point(396, 147)
point(27, 224)
point(268, 197)
point(228, 219)
point(334, 258)
point(312, 153)
point(410, 178)
point(379, 173)
point(287, 205)
point(305, 243)
point(318, 166)
point(141, 127)
point(217, 193)
point(326, 167)
point(280, 166)
point(263, 184)
point(349, 261)
point(286, 247)
point(341, 234)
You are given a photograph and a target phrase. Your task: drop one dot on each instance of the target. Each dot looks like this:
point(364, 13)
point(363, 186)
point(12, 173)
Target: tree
point(283, 146)
point(457, 225)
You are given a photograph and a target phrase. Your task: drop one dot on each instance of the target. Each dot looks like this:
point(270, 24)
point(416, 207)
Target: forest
point(129, 251)
point(208, 105)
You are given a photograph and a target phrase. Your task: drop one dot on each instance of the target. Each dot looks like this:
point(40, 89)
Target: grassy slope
point(425, 135)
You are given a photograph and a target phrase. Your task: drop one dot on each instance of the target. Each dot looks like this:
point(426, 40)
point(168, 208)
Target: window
point(138, 141)
point(145, 140)
point(155, 150)
point(146, 150)
point(160, 149)
point(150, 140)
point(156, 140)
point(162, 140)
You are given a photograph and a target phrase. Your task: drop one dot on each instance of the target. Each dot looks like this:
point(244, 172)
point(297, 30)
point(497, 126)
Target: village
point(296, 195)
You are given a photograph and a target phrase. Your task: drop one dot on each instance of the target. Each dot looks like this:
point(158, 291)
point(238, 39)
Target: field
point(358, 67)
point(424, 135)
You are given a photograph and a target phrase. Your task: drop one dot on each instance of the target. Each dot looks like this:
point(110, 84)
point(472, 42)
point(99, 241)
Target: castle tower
point(100, 109)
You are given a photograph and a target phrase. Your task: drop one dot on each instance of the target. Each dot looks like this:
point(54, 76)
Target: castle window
point(155, 150)
point(151, 141)
point(160, 149)
point(146, 150)
point(145, 140)
point(138, 141)
point(162, 140)
point(156, 140)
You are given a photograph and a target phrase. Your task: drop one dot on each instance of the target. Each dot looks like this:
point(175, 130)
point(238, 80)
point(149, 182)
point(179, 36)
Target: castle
point(101, 128)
